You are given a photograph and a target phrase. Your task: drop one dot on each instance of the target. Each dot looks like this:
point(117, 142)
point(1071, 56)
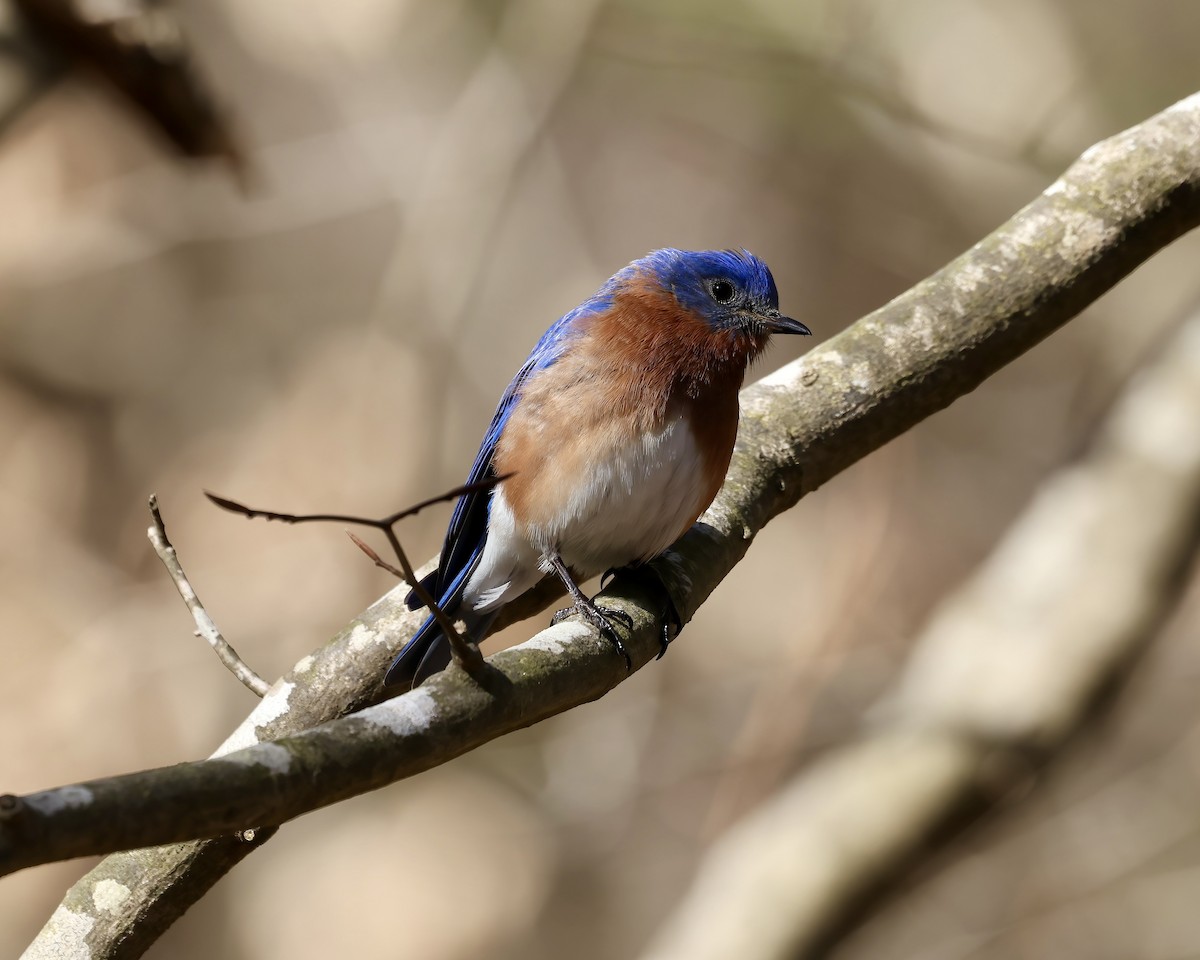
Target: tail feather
point(428, 652)
point(429, 582)
point(403, 671)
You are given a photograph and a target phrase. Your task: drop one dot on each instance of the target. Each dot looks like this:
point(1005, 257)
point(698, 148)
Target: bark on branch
point(1122, 201)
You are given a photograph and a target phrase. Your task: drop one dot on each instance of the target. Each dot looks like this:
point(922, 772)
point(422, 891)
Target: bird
point(610, 442)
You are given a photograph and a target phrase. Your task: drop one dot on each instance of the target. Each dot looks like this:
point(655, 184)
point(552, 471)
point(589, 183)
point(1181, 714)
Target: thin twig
point(464, 650)
point(374, 557)
point(204, 624)
point(382, 523)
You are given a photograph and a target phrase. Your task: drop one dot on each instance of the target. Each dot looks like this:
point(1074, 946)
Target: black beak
point(775, 322)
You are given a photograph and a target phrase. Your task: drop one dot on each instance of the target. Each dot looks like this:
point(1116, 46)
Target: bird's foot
point(602, 620)
point(667, 615)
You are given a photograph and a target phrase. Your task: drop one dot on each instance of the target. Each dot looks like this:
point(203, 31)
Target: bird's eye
point(722, 291)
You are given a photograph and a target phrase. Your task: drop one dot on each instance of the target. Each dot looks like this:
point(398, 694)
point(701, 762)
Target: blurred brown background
point(436, 184)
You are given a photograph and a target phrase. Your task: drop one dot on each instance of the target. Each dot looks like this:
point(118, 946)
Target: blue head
point(730, 290)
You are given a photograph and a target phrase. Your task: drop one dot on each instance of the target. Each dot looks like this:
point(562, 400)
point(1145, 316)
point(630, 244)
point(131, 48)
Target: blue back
point(467, 533)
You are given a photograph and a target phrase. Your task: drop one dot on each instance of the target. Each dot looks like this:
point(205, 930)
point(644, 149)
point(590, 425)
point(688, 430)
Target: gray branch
point(1125, 199)
point(1009, 666)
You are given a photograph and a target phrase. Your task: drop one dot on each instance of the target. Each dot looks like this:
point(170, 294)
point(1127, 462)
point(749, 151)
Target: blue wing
point(463, 546)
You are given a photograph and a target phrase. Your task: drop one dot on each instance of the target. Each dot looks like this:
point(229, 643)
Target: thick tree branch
point(1007, 669)
point(1122, 201)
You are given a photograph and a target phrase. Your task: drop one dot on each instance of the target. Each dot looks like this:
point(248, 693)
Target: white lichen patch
point(1083, 234)
point(275, 758)
point(969, 276)
point(860, 376)
point(273, 706)
point(922, 324)
point(50, 802)
point(362, 637)
point(558, 638)
point(108, 895)
point(833, 358)
point(1094, 152)
point(405, 715)
point(1026, 234)
point(1188, 104)
point(241, 738)
point(791, 377)
point(63, 938)
point(304, 664)
point(897, 336)
point(786, 376)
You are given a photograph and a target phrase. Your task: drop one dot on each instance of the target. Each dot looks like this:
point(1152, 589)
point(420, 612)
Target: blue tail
point(428, 652)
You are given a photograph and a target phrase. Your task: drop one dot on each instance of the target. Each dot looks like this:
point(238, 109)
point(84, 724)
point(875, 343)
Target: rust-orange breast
point(627, 371)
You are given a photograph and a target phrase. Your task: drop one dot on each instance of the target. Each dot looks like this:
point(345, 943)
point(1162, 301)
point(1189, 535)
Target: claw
point(602, 620)
point(670, 620)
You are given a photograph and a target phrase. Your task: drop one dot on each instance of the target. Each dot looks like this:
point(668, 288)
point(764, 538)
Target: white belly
point(629, 505)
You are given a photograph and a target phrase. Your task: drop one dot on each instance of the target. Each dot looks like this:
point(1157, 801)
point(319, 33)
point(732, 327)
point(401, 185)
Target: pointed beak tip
point(782, 324)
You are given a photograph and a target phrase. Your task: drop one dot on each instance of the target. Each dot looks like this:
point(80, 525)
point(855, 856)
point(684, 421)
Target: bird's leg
point(600, 619)
point(668, 614)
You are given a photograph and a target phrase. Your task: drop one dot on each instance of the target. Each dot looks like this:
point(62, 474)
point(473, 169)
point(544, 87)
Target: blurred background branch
point(136, 46)
point(1126, 198)
point(1009, 667)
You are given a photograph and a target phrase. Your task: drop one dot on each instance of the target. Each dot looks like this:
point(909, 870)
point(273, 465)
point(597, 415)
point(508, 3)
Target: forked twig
point(465, 652)
point(204, 623)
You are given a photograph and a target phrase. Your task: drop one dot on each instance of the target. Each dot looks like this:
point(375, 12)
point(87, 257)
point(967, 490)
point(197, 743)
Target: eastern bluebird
point(615, 436)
